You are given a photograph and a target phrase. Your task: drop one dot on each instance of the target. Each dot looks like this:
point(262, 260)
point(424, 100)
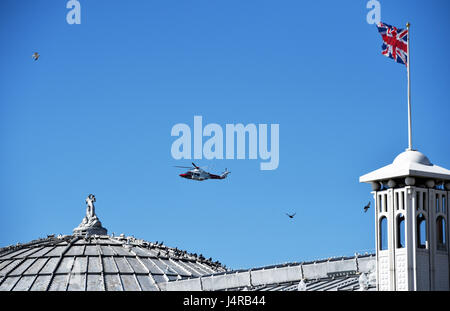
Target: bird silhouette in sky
point(366, 207)
point(35, 56)
point(291, 215)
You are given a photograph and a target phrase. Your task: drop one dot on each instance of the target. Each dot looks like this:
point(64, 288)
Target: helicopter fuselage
point(200, 175)
point(196, 174)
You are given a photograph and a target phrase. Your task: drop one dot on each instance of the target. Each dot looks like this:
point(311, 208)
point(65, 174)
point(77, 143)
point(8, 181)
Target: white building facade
point(411, 224)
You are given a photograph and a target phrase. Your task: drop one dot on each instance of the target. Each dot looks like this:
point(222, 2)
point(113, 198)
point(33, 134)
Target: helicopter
point(197, 173)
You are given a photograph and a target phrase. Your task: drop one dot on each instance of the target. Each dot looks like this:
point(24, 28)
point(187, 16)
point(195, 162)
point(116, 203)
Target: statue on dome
point(90, 210)
point(90, 222)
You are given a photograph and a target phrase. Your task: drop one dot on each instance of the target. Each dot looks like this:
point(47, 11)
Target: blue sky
point(95, 112)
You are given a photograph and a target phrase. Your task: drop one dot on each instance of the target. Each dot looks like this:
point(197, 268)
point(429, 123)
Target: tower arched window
point(422, 237)
point(441, 233)
point(437, 203)
point(383, 234)
point(444, 205)
point(417, 200)
point(400, 231)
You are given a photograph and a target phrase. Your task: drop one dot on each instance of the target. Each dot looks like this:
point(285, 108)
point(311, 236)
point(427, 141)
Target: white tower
point(411, 223)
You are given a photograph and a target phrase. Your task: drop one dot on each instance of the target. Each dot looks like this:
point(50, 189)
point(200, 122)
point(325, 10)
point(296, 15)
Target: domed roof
point(408, 163)
point(91, 260)
point(411, 156)
point(97, 262)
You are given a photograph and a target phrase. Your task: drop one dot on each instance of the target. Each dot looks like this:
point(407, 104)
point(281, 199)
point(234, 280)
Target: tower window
point(441, 233)
point(396, 201)
point(421, 231)
point(444, 205)
point(385, 203)
point(424, 198)
point(383, 234)
point(417, 200)
point(400, 231)
point(437, 203)
point(380, 203)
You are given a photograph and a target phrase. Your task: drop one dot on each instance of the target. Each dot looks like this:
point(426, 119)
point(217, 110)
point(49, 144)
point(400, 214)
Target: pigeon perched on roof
point(301, 286)
point(35, 56)
point(366, 207)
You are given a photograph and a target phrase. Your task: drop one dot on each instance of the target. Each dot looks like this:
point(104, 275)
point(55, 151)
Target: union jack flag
point(395, 42)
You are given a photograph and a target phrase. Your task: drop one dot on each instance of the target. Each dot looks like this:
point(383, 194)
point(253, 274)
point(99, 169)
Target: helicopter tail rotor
point(225, 174)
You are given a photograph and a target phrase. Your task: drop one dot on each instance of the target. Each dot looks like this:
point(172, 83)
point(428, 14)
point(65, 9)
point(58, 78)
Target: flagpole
point(409, 91)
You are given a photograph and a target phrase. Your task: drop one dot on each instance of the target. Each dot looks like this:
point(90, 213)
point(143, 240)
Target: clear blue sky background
point(94, 115)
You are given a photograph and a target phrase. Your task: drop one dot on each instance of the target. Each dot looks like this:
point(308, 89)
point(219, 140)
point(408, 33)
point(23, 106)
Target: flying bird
point(291, 215)
point(35, 56)
point(366, 207)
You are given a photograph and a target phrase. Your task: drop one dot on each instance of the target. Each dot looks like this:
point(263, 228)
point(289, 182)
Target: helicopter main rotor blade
point(184, 166)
